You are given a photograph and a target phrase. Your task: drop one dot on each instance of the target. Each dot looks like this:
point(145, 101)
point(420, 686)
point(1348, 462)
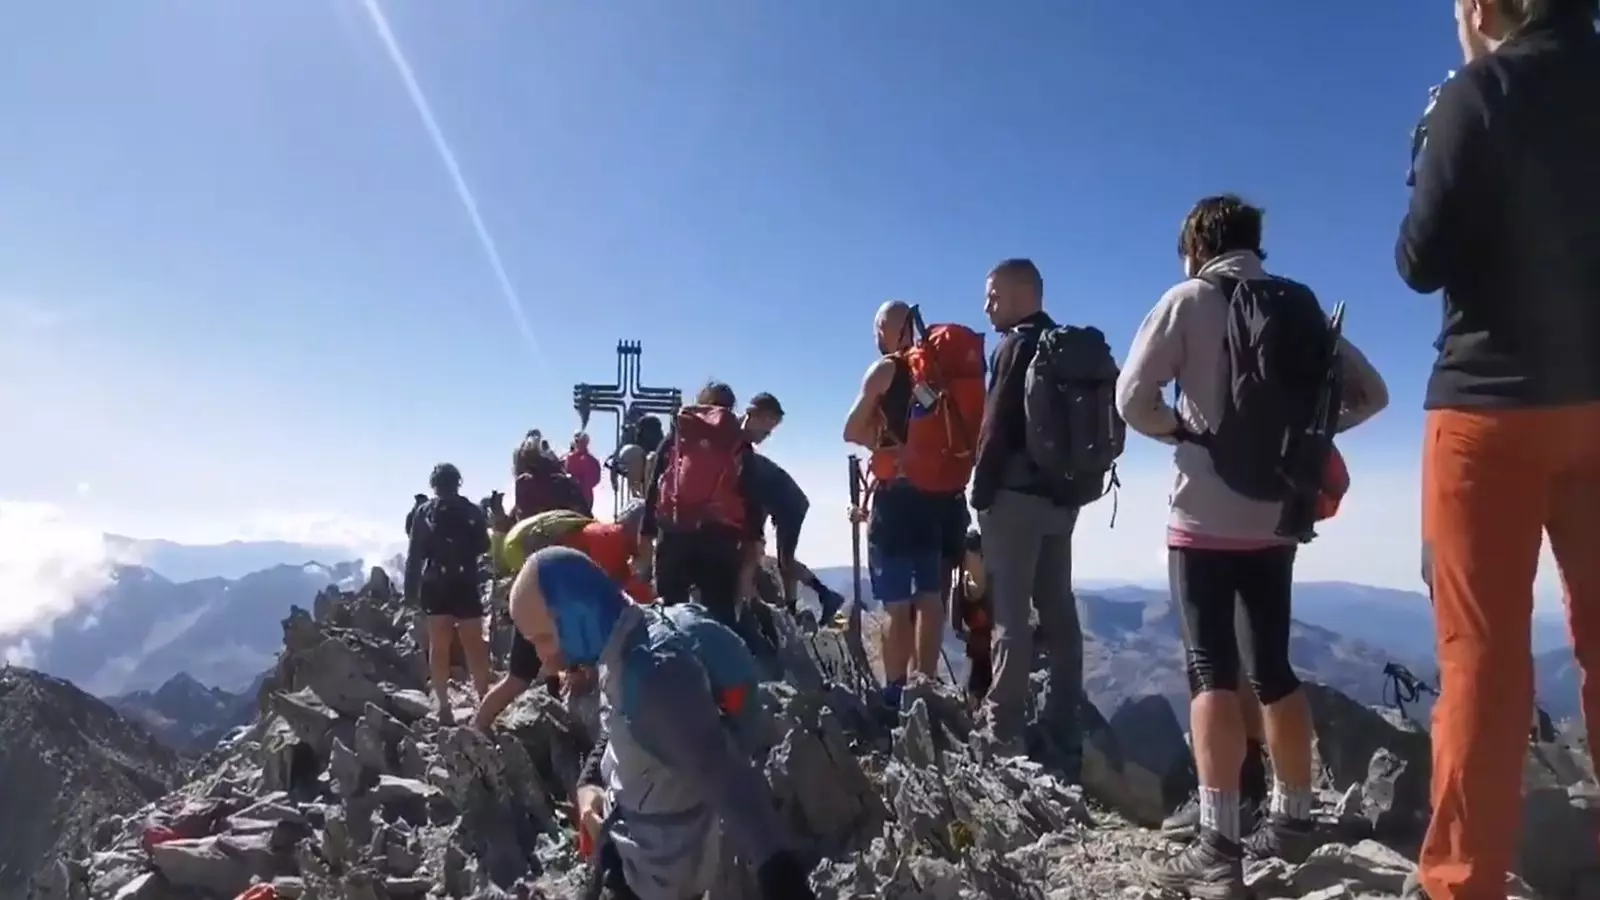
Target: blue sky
point(240, 293)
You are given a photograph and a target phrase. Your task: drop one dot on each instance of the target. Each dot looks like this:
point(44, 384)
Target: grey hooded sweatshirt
point(1182, 340)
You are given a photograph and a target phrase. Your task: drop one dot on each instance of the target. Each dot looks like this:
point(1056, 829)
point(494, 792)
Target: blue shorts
point(900, 577)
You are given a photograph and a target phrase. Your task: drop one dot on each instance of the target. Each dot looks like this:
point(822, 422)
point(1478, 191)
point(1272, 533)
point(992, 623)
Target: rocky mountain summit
point(187, 715)
point(346, 788)
point(68, 762)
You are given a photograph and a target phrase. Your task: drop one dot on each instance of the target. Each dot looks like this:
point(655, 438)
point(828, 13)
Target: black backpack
point(1074, 432)
point(1280, 408)
point(456, 538)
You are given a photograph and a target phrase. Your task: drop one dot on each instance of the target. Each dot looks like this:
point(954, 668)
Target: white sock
point(1219, 811)
point(1289, 802)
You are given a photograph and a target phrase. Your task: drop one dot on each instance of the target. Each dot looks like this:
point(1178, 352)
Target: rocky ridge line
point(345, 787)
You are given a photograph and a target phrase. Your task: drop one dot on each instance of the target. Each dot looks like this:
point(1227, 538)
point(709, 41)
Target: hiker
point(542, 483)
point(632, 464)
point(972, 617)
point(448, 536)
point(583, 467)
point(416, 503)
point(610, 545)
point(918, 411)
point(777, 496)
point(1502, 218)
point(1038, 463)
point(671, 791)
point(700, 506)
point(1229, 542)
point(1184, 823)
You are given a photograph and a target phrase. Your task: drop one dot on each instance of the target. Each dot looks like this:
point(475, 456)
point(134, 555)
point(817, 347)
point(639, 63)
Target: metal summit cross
point(626, 399)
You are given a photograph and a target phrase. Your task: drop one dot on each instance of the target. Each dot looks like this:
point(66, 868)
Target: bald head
point(893, 326)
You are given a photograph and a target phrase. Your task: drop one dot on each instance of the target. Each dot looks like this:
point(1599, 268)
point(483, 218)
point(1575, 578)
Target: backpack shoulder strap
point(1227, 284)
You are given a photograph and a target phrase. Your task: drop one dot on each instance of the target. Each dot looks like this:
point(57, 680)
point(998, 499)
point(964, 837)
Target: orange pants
point(1493, 483)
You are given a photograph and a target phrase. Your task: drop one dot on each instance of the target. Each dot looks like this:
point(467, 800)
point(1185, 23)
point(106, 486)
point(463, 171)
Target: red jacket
point(585, 470)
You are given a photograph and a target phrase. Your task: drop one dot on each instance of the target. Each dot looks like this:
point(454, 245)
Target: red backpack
point(700, 483)
point(946, 368)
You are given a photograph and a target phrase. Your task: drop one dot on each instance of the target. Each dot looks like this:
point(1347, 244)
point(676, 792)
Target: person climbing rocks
point(1502, 219)
point(1226, 542)
point(777, 495)
point(541, 483)
point(583, 467)
point(919, 412)
point(671, 793)
point(701, 506)
point(610, 545)
point(449, 535)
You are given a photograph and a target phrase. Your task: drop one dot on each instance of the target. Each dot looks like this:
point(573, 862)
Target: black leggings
point(1206, 584)
point(709, 559)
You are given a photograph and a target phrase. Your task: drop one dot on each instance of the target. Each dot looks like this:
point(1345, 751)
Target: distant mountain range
point(234, 559)
point(143, 628)
point(1343, 635)
point(157, 620)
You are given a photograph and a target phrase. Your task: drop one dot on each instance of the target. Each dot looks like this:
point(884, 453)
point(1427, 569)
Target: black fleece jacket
point(1505, 218)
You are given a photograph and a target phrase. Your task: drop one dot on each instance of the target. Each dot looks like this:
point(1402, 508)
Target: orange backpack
point(946, 370)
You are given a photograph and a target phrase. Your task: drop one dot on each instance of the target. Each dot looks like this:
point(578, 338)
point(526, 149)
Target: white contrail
point(380, 23)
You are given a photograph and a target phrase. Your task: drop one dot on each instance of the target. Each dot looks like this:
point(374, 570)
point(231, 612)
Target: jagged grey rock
point(346, 788)
point(68, 764)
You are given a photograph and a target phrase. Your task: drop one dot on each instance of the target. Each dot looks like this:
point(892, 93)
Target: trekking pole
point(853, 639)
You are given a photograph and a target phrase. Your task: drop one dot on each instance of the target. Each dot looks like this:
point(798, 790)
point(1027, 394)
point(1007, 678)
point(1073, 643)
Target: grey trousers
point(1027, 550)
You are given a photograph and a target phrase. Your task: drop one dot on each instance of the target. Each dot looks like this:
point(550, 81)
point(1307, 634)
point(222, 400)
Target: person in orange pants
point(1501, 218)
point(1494, 482)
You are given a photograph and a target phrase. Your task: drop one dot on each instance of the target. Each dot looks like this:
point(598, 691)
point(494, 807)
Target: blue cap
point(584, 603)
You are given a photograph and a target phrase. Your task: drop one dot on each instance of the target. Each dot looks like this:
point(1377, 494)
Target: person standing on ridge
point(411, 514)
point(671, 791)
point(700, 507)
point(1027, 501)
point(1503, 218)
point(449, 535)
point(918, 411)
point(1240, 392)
point(583, 467)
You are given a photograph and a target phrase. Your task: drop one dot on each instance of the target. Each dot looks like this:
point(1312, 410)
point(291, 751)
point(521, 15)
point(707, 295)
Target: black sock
point(1253, 773)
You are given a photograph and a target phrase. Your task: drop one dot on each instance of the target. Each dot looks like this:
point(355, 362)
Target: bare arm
point(862, 426)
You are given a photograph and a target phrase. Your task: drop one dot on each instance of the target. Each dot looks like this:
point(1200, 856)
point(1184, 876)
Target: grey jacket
point(1182, 340)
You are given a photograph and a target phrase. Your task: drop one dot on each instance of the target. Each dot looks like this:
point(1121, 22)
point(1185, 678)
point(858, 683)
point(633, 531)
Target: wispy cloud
point(469, 202)
point(48, 564)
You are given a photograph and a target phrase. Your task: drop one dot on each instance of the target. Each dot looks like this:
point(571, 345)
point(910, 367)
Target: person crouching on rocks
point(670, 793)
point(610, 545)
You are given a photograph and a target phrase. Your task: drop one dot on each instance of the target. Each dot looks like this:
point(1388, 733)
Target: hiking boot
point(1184, 823)
point(1280, 837)
point(1211, 868)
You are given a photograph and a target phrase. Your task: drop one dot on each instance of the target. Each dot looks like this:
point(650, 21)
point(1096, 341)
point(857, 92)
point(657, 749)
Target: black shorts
point(907, 522)
point(523, 664)
point(459, 600)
